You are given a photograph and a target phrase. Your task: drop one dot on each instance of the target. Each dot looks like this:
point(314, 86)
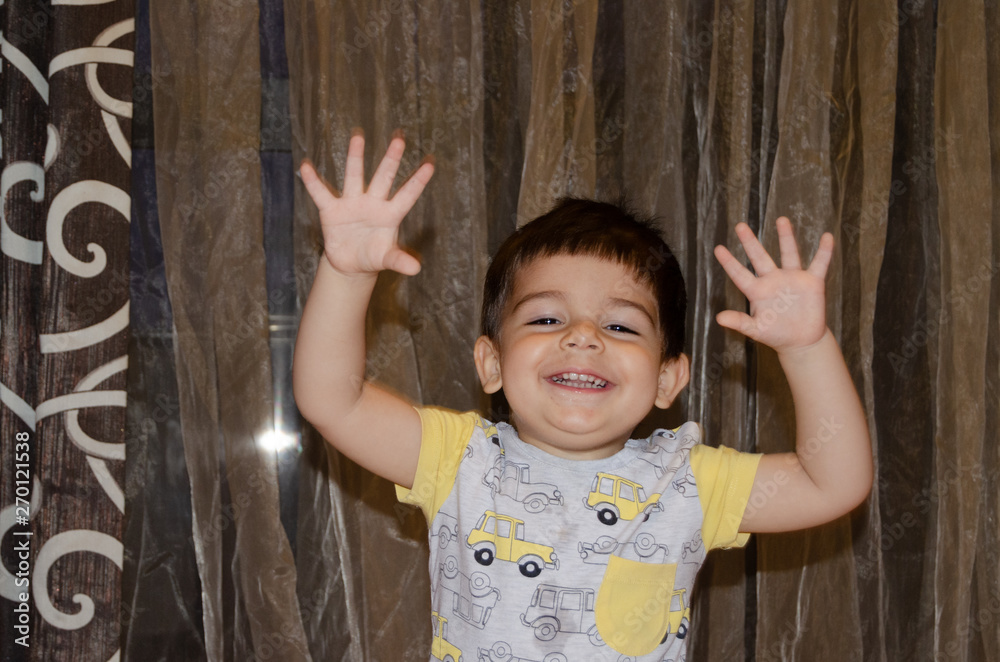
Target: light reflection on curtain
point(880, 124)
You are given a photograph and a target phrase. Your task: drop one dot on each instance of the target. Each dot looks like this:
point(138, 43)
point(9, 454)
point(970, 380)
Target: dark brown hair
point(610, 231)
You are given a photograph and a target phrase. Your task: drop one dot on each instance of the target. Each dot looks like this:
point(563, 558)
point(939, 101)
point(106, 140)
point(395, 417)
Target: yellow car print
point(614, 498)
point(502, 537)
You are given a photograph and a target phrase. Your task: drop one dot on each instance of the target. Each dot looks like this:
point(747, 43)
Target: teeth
point(577, 380)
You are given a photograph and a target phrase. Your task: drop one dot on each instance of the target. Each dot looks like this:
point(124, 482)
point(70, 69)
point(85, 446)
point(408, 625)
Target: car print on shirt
point(644, 548)
point(659, 456)
point(502, 537)
point(693, 549)
point(444, 528)
point(471, 598)
point(512, 479)
point(679, 617)
point(558, 609)
point(685, 484)
point(441, 648)
point(614, 498)
point(501, 652)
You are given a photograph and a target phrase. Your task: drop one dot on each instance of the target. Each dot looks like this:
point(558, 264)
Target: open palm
point(361, 226)
point(787, 304)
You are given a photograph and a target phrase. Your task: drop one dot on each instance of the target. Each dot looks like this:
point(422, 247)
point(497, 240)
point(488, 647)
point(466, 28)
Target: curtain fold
point(870, 83)
point(727, 170)
point(560, 138)
point(207, 119)
point(384, 76)
point(815, 567)
point(962, 160)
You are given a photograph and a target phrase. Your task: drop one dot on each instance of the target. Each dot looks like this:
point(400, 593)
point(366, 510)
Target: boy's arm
point(830, 472)
point(375, 428)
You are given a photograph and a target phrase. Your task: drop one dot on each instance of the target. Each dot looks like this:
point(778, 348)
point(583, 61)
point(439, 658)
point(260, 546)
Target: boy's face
point(579, 357)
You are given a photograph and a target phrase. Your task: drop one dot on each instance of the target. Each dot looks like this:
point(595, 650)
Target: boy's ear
point(674, 376)
point(488, 364)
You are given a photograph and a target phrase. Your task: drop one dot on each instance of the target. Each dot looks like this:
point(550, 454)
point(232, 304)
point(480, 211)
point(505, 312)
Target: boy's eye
point(620, 328)
point(545, 320)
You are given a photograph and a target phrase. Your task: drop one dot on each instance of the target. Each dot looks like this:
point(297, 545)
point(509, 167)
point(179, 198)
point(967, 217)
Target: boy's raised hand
point(787, 304)
point(361, 227)
point(830, 472)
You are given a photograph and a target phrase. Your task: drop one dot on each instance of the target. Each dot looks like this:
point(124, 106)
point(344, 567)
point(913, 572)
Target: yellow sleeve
point(444, 436)
point(724, 477)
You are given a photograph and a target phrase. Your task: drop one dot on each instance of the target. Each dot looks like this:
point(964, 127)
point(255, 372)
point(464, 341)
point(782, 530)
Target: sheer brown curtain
point(876, 121)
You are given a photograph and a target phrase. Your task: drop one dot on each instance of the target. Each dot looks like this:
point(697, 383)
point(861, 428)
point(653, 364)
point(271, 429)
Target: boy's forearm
point(832, 441)
point(375, 428)
point(329, 365)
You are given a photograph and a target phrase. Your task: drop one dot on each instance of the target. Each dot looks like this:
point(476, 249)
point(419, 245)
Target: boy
point(555, 537)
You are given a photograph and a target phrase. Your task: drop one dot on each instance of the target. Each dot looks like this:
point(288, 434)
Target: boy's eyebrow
point(618, 302)
point(628, 303)
point(544, 294)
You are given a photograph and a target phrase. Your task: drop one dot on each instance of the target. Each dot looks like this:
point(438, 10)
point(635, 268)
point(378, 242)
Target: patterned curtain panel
point(66, 160)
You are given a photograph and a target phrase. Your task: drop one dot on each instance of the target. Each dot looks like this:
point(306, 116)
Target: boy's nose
point(582, 335)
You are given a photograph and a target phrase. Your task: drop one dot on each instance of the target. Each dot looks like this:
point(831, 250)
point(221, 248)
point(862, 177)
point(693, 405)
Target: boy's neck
point(600, 451)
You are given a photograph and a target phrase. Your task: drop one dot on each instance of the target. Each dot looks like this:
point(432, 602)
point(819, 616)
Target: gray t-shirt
point(541, 558)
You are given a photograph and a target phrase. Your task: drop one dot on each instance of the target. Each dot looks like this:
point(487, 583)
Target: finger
point(385, 174)
point(354, 169)
point(761, 261)
point(317, 189)
point(401, 261)
point(408, 193)
point(737, 273)
point(787, 245)
point(737, 321)
point(821, 260)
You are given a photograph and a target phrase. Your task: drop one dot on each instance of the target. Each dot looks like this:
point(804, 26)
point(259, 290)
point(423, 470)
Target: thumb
point(401, 261)
point(737, 321)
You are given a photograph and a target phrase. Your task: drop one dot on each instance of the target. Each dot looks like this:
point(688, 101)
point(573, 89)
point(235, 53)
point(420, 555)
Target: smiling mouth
point(575, 380)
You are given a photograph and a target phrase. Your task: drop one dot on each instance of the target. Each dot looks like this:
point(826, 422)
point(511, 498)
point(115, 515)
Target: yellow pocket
point(633, 604)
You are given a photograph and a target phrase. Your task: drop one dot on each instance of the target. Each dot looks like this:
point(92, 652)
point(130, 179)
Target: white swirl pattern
point(99, 453)
point(51, 343)
point(68, 542)
point(67, 200)
point(13, 244)
point(20, 62)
